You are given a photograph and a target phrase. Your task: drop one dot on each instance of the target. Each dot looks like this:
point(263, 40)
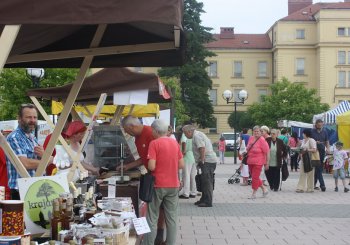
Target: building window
point(300, 34)
point(341, 57)
point(261, 94)
point(349, 57)
point(349, 79)
point(213, 127)
point(138, 69)
point(341, 79)
point(237, 69)
point(341, 31)
point(213, 69)
point(300, 66)
point(262, 69)
point(213, 96)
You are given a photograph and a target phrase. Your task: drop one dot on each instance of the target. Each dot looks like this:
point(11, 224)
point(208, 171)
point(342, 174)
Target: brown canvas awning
point(58, 33)
point(107, 81)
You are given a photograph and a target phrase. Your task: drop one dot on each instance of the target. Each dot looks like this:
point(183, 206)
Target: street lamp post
point(242, 96)
point(36, 74)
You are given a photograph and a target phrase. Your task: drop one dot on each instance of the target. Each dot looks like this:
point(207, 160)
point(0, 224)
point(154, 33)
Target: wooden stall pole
point(117, 115)
point(65, 145)
point(22, 171)
point(7, 39)
point(70, 101)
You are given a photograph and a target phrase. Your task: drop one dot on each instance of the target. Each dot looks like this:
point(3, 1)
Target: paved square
point(283, 217)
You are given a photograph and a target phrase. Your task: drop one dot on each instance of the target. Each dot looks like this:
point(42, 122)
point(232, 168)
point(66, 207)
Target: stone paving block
point(211, 242)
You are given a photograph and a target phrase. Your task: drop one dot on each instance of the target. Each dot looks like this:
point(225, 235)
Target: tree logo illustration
point(38, 201)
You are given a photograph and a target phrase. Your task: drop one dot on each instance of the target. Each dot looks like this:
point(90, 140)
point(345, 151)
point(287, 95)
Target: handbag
point(245, 155)
point(306, 162)
point(146, 187)
point(284, 169)
point(315, 159)
point(198, 181)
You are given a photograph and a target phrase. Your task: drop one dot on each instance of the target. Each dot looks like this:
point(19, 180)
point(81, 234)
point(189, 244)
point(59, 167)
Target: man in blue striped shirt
point(25, 146)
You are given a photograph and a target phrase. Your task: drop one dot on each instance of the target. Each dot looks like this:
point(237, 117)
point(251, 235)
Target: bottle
point(98, 196)
point(68, 217)
point(56, 221)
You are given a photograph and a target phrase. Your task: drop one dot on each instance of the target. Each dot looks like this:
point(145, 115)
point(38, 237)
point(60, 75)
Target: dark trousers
point(294, 161)
point(273, 176)
point(207, 178)
point(319, 169)
point(14, 194)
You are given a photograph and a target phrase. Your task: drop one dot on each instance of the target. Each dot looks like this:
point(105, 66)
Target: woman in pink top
point(258, 156)
point(222, 148)
point(293, 143)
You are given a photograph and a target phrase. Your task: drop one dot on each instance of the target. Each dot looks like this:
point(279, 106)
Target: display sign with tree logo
point(38, 194)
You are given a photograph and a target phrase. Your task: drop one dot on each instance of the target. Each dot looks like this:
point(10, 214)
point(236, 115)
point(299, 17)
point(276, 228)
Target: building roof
point(241, 41)
point(307, 13)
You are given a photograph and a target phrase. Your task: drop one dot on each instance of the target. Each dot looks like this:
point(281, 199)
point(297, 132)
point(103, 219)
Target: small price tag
point(111, 188)
point(141, 226)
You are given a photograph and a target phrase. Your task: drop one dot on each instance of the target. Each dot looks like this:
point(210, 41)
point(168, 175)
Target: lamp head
point(243, 95)
point(227, 95)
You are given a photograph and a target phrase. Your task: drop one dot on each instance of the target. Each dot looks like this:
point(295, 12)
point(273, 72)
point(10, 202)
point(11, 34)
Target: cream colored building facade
point(310, 46)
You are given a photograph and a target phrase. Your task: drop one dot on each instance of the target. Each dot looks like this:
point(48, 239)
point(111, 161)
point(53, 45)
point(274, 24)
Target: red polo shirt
point(142, 143)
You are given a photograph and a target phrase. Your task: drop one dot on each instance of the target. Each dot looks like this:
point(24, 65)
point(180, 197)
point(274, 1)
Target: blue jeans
point(207, 178)
point(319, 169)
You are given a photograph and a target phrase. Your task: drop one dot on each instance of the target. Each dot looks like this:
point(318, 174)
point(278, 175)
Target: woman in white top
point(308, 144)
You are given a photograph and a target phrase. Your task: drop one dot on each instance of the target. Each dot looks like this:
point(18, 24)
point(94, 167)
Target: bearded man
point(25, 146)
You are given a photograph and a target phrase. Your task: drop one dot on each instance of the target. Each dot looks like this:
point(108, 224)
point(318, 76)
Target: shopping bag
point(315, 159)
point(198, 182)
point(284, 169)
point(146, 187)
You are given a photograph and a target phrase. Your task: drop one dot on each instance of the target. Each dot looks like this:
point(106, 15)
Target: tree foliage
point(194, 80)
point(244, 120)
point(14, 83)
point(288, 101)
point(180, 112)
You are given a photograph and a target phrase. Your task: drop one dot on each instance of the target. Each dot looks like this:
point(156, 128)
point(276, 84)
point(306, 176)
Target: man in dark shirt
point(320, 135)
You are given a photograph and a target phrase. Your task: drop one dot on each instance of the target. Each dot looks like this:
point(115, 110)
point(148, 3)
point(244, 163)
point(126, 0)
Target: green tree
point(288, 101)
point(14, 83)
point(180, 112)
point(244, 120)
point(194, 80)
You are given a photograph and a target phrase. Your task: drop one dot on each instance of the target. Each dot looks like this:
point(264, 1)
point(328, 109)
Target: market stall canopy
point(150, 110)
point(343, 122)
point(328, 117)
point(109, 81)
point(59, 33)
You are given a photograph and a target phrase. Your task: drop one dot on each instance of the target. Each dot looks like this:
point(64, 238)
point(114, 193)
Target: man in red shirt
point(165, 160)
point(143, 137)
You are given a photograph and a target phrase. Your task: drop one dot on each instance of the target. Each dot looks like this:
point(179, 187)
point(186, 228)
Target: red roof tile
point(241, 41)
point(307, 13)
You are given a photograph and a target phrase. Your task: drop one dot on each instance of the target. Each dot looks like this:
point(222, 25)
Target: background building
point(310, 46)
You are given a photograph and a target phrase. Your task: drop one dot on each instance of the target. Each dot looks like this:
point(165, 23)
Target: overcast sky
point(246, 16)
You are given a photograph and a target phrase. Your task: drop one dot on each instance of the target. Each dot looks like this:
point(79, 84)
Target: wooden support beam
point(64, 143)
point(22, 171)
point(124, 49)
point(70, 101)
point(7, 39)
point(117, 114)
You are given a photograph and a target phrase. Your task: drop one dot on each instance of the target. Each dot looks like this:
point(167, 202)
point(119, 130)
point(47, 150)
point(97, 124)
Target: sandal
point(299, 191)
point(265, 193)
point(252, 197)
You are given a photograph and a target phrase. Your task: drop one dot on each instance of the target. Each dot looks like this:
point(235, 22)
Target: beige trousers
point(306, 179)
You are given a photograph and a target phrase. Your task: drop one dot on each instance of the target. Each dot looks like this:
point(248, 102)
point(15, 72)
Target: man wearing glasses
point(25, 146)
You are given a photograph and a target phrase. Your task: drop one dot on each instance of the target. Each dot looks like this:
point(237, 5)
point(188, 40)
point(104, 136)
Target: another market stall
point(86, 34)
point(343, 123)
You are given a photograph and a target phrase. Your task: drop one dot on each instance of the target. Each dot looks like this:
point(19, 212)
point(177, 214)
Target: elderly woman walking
point(277, 153)
point(258, 156)
point(306, 176)
point(164, 161)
